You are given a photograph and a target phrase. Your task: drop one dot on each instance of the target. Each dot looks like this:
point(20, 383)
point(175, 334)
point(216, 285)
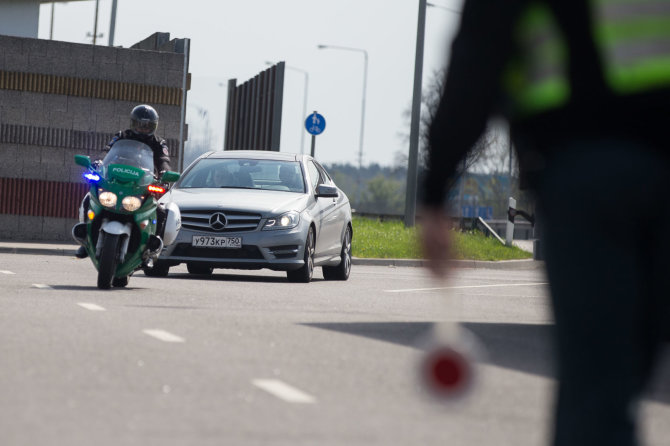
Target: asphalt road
point(246, 358)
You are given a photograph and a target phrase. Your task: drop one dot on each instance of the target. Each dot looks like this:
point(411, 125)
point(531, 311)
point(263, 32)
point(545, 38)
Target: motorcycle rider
point(143, 124)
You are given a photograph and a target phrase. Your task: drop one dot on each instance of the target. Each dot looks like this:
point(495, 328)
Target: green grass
point(390, 239)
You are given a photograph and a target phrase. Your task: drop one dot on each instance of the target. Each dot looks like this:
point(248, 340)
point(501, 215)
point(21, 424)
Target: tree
point(383, 196)
point(374, 196)
point(489, 154)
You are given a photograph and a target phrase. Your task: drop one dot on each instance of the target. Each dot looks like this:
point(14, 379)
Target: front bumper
point(279, 250)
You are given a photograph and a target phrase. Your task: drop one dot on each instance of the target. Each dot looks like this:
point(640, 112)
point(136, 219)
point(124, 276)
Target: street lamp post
point(95, 24)
point(304, 103)
point(51, 30)
point(95, 34)
point(365, 83)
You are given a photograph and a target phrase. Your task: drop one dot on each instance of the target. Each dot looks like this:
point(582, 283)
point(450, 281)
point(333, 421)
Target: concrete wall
point(58, 99)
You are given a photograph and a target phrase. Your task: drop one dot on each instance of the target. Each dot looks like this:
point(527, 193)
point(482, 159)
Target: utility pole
point(112, 23)
point(412, 167)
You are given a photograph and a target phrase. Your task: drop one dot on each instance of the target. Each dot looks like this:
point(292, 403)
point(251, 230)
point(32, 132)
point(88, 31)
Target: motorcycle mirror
point(83, 160)
point(169, 177)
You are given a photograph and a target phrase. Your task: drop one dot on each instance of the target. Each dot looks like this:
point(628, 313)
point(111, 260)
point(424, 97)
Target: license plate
point(204, 241)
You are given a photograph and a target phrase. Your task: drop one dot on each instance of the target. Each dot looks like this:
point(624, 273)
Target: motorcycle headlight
point(107, 199)
point(131, 203)
point(285, 221)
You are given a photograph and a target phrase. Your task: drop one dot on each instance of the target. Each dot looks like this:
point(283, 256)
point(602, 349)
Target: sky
point(236, 38)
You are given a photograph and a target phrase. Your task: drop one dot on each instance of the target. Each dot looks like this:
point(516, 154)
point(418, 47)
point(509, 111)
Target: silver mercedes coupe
point(258, 209)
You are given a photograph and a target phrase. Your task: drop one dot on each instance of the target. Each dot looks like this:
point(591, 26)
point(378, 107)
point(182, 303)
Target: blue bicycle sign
point(315, 124)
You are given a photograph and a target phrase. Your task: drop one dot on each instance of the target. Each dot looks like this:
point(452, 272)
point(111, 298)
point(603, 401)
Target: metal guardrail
point(380, 217)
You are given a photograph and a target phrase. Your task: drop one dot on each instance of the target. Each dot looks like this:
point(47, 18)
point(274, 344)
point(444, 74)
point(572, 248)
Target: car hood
point(265, 202)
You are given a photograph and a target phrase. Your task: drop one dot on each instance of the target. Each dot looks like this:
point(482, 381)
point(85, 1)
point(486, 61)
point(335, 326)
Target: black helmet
point(143, 120)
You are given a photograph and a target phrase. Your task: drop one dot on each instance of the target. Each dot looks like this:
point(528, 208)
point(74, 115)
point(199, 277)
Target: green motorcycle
point(119, 228)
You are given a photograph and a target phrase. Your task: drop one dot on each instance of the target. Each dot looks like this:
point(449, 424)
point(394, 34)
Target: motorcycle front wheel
point(109, 257)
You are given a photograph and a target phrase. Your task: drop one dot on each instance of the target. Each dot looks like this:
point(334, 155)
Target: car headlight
point(131, 203)
point(107, 199)
point(285, 221)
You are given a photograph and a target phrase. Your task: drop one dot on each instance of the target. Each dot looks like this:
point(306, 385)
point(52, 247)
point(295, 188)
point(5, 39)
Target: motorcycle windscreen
point(134, 154)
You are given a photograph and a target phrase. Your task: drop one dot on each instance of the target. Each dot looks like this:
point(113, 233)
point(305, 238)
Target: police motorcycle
point(120, 225)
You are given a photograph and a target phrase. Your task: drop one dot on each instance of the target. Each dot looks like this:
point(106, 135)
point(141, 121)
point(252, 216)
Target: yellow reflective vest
point(632, 38)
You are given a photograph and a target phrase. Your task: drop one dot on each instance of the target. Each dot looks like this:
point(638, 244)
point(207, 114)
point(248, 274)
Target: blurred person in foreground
point(585, 86)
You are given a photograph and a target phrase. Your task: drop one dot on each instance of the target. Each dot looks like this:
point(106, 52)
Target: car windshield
point(244, 174)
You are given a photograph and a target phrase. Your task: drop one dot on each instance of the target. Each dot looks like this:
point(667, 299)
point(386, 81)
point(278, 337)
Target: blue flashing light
point(153, 221)
point(92, 177)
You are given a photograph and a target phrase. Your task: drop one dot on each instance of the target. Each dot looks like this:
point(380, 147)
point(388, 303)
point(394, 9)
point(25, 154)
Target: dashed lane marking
point(284, 391)
point(499, 285)
point(163, 335)
point(6, 272)
point(42, 286)
point(92, 307)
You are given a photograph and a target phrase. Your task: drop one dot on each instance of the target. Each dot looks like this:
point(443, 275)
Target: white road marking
point(6, 272)
point(163, 335)
point(499, 285)
point(42, 286)
point(92, 307)
point(283, 391)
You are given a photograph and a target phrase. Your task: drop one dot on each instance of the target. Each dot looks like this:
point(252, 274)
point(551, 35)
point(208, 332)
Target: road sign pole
point(315, 124)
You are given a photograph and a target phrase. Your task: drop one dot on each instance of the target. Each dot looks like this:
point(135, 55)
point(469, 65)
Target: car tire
point(158, 270)
point(199, 269)
point(341, 271)
point(305, 272)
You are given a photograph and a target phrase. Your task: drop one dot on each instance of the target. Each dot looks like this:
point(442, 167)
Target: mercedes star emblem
point(217, 221)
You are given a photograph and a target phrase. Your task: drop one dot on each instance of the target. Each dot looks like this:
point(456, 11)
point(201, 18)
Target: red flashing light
point(156, 189)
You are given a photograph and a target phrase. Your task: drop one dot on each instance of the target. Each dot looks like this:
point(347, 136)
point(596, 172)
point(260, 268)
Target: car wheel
point(304, 274)
point(199, 269)
point(158, 270)
point(341, 271)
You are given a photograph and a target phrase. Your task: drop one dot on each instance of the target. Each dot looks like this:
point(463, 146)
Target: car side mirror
point(325, 191)
point(83, 161)
point(169, 177)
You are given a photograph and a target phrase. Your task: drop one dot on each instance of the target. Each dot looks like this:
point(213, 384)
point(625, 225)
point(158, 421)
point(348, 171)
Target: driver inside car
point(288, 178)
point(222, 178)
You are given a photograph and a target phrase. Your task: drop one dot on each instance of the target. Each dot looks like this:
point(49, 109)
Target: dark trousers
point(606, 227)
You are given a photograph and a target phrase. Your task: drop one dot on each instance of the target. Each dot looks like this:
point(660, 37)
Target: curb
point(510, 265)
